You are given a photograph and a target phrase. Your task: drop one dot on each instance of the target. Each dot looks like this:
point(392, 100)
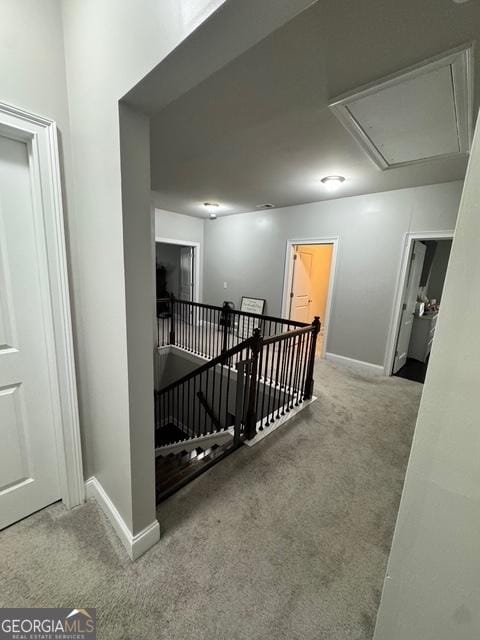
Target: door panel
point(409, 302)
point(186, 273)
point(301, 286)
point(14, 463)
point(28, 459)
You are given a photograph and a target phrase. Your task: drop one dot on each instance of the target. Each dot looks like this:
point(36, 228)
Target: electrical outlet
point(224, 285)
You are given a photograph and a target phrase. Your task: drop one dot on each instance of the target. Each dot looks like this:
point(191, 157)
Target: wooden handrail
point(238, 312)
point(288, 334)
point(208, 365)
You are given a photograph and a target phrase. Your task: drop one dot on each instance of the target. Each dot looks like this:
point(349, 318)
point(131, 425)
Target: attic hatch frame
point(459, 59)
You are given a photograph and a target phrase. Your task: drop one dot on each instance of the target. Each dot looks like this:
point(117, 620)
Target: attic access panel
point(419, 114)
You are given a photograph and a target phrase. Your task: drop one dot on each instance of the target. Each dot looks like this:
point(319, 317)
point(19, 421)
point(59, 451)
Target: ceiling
point(260, 130)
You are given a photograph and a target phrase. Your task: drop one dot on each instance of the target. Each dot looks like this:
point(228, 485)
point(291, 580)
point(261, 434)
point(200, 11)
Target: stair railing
point(208, 400)
point(244, 387)
point(285, 374)
point(207, 330)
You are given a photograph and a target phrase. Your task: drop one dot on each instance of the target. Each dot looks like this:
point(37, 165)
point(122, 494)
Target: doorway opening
point(422, 280)
point(308, 287)
point(177, 269)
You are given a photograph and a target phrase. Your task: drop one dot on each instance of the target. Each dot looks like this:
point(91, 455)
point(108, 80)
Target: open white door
point(29, 469)
point(408, 307)
point(186, 274)
point(301, 294)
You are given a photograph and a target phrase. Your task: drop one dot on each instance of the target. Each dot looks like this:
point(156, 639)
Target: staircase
point(257, 370)
point(174, 470)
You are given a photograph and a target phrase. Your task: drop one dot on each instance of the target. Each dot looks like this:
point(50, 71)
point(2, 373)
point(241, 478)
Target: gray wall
point(109, 47)
point(248, 252)
point(431, 591)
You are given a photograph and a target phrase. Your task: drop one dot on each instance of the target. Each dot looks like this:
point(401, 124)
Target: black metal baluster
point(271, 369)
point(220, 396)
point(199, 405)
point(276, 377)
point(286, 377)
point(298, 352)
point(206, 395)
point(229, 371)
point(266, 352)
point(260, 385)
point(189, 425)
point(208, 333)
point(177, 407)
point(290, 395)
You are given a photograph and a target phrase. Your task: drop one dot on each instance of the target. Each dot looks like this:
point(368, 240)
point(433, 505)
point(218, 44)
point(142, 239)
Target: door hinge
point(295, 256)
point(413, 257)
point(404, 306)
point(291, 294)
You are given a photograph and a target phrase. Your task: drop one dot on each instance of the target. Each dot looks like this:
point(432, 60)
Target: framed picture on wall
point(252, 305)
point(246, 325)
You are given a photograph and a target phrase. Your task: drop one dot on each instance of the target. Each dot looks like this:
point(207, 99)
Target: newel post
point(172, 319)
point(251, 419)
point(308, 391)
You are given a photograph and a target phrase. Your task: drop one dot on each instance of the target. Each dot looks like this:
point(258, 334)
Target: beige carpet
point(285, 541)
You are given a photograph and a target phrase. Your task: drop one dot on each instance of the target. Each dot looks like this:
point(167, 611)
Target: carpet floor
point(286, 540)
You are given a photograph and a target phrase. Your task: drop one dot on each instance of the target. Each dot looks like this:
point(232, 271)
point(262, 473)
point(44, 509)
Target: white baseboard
point(357, 365)
point(266, 431)
point(136, 545)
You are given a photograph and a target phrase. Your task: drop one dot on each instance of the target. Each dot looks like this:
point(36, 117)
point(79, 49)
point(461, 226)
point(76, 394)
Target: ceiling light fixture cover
point(417, 114)
point(332, 183)
point(212, 208)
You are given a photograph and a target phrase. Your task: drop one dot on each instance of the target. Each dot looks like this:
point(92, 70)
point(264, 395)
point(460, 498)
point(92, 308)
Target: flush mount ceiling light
point(332, 183)
point(212, 208)
point(266, 205)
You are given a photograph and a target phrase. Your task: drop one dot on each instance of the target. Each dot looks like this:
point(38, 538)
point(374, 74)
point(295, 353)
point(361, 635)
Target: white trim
point(356, 365)
point(196, 255)
point(40, 133)
point(136, 545)
point(288, 275)
point(266, 431)
point(410, 238)
point(461, 61)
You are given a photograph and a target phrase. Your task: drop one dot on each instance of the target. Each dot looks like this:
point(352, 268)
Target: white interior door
point(301, 294)
point(186, 274)
point(409, 301)
point(28, 457)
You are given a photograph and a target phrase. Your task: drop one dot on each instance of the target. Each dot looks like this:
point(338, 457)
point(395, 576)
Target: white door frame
point(196, 257)
point(410, 238)
point(40, 135)
point(288, 275)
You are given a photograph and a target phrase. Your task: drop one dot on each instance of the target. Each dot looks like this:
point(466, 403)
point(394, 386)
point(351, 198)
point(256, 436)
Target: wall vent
point(418, 114)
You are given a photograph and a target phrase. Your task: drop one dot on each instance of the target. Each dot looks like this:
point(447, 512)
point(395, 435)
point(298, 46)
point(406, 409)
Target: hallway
point(287, 540)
